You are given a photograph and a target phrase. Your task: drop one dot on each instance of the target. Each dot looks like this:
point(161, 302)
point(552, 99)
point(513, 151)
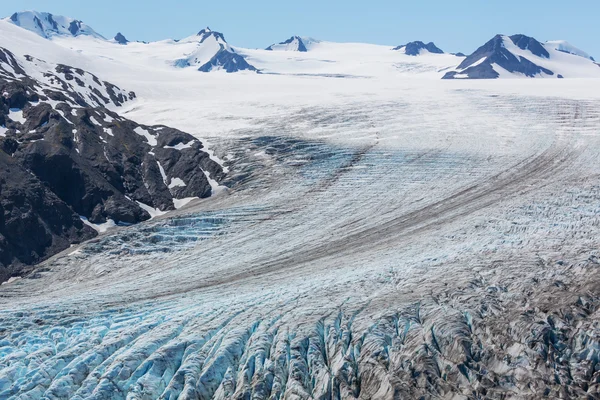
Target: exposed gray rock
point(34, 222)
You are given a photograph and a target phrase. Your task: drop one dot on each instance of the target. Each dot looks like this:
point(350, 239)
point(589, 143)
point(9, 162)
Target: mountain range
point(501, 57)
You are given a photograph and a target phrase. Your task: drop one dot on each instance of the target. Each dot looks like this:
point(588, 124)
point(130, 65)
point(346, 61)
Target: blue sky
point(460, 25)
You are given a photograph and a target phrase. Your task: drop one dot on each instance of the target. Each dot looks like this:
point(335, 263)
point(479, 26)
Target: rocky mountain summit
point(418, 47)
point(524, 56)
point(65, 156)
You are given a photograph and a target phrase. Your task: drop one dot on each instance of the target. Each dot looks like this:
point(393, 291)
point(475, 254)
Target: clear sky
point(459, 25)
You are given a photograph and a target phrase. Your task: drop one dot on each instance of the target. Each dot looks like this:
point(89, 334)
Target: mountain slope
point(295, 43)
point(82, 159)
point(47, 25)
point(522, 56)
point(566, 47)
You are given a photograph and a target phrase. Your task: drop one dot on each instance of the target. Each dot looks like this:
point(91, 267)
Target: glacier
point(383, 235)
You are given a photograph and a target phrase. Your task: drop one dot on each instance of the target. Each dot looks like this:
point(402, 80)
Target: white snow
point(49, 24)
point(563, 45)
point(176, 182)
point(95, 121)
point(100, 228)
point(16, 115)
point(149, 137)
point(154, 212)
point(162, 172)
point(12, 279)
point(179, 203)
point(181, 146)
point(216, 188)
point(3, 130)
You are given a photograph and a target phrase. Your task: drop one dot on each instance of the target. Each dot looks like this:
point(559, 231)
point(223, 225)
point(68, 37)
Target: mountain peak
point(214, 53)
point(529, 43)
point(207, 32)
point(417, 47)
point(295, 43)
point(121, 39)
point(47, 25)
point(523, 56)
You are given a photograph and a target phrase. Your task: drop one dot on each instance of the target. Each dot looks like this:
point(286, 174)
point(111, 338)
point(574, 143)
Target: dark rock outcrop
point(34, 222)
point(121, 39)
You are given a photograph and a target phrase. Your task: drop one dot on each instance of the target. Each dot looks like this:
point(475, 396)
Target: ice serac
point(81, 159)
point(213, 53)
point(416, 48)
point(295, 43)
point(47, 25)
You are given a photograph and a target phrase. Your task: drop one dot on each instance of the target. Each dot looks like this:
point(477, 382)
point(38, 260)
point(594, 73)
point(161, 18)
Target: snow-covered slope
point(566, 47)
point(418, 48)
point(48, 25)
point(212, 52)
point(295, 43)
point(523, 56)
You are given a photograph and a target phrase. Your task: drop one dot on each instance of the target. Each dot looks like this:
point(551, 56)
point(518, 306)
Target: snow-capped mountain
point(524, 56)
point(295, 43)
point(48, 25)
point(416, 48)
point(213, 53)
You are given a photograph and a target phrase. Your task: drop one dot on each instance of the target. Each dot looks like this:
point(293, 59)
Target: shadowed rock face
point(34, 222)
point(80, 159)
point(414, 48)
point(494, 52)
point(121, 39)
